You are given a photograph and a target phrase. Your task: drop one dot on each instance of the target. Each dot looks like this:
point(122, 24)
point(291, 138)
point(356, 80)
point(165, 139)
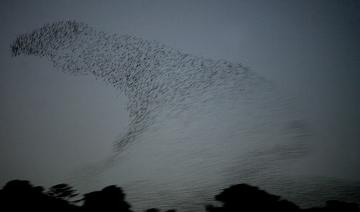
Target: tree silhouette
point(335, 205)
point(62, 191)
point(110, 198)
point(152, 210)
point(20, 195)
point(243, 197)
point(158, 210)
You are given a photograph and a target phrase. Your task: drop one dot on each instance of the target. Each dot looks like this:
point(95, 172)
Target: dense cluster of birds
point(150, 74)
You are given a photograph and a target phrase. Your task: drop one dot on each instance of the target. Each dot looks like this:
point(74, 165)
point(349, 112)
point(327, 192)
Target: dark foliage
point(158, 210)
point(62, 191)
point(152, 210)
point(111, 198)
point(244, 197)
point(20, 195)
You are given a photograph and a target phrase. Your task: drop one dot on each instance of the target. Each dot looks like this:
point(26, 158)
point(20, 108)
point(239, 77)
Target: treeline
point(20, 195)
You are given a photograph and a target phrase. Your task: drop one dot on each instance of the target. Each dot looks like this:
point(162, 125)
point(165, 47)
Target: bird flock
point(152, 75)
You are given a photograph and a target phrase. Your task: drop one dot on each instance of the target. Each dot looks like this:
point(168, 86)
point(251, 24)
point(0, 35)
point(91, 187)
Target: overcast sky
point(311, 49)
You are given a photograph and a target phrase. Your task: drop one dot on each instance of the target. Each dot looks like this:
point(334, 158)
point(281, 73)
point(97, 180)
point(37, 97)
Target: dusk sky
point(54, 125)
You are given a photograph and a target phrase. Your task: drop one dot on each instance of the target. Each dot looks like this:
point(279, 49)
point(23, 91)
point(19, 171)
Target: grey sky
point(309, 48)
